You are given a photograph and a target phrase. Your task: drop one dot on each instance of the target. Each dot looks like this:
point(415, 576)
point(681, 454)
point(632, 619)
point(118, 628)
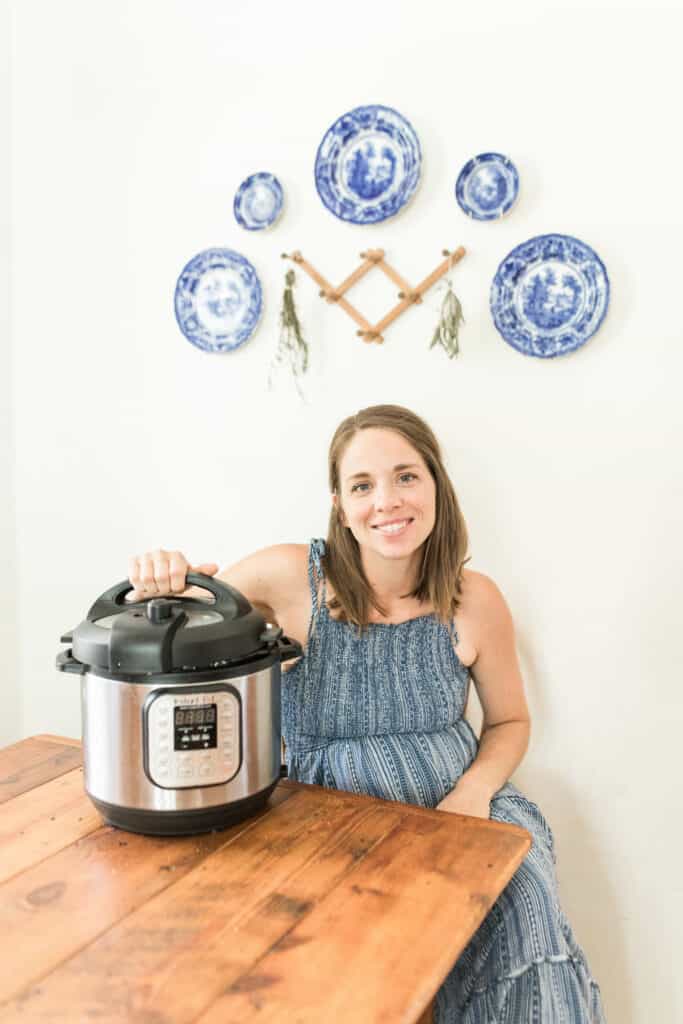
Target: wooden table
point(325, 907)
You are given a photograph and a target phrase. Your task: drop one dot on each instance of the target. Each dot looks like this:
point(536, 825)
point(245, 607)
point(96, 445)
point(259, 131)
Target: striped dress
point(382, 714)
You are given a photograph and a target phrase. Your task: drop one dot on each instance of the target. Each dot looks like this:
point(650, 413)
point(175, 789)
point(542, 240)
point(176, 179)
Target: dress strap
point(316, 576)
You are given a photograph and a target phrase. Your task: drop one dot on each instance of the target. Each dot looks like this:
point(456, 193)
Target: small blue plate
point(218, 300)
point(487, 186)
point(258, 201)
point(549, 295)
point(368, 165)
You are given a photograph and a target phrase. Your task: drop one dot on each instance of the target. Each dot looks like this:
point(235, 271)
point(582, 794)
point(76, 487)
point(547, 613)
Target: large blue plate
point(368, 165)
point(549, 295)
point(487, 186)
point(218, 300)
point(258, 201)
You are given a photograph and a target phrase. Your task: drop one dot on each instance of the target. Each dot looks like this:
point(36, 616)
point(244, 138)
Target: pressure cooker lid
point(171, 634)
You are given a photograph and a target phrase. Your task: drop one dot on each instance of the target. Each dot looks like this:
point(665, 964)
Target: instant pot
point(180, 701)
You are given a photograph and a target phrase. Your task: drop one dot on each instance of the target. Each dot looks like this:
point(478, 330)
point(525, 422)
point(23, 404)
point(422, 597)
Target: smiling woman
point(396, 527)
point(394, 630)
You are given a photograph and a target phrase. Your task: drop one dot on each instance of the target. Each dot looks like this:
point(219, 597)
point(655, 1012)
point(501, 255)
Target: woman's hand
point(159, 572)
point(467, 798)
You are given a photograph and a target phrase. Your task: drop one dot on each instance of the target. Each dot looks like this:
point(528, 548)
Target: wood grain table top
point(326, 906)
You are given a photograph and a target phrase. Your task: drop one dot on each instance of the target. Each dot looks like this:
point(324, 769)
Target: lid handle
point(228, 600)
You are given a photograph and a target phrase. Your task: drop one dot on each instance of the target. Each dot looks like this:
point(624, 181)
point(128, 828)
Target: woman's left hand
point(466, 799)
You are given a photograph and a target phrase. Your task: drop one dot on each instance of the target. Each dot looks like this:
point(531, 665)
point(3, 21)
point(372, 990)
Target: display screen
point(194, 727)
point(196, 716)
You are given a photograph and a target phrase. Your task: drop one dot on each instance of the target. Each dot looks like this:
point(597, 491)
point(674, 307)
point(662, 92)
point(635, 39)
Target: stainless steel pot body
point(130, 732)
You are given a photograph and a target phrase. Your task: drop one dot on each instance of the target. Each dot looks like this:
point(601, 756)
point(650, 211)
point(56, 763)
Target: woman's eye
point(357, 487)
point(407, 477)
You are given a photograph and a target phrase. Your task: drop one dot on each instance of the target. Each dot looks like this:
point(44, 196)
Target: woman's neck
point(390, 580)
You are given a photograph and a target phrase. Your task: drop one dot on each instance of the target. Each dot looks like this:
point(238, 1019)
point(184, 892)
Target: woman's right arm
point(273, 579)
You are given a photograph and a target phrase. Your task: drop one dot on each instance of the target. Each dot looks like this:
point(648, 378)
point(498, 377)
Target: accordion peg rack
point(375, 258)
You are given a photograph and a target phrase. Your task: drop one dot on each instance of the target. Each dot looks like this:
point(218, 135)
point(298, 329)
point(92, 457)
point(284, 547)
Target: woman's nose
point(386, 497)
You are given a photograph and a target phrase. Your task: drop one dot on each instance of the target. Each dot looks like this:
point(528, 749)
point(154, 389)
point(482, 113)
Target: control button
point(186, 771)
point(205, 769)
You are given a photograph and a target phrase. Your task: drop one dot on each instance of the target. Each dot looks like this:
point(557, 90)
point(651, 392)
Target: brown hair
point(444, 553)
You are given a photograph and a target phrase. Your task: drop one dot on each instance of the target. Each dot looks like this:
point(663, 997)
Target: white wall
point(10, 718)
point(134, 125)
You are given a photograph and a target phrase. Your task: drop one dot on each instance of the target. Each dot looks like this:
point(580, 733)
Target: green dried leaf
point(448, 328)
point(292, 349)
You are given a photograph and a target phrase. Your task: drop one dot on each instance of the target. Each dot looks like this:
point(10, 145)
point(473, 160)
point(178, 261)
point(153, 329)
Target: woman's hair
point(444, 553)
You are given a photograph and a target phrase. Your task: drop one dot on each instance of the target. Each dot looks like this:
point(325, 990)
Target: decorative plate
point(218, 300)
point(258, 201)
point(487, 186)
point(549, 295)
point(368, 165)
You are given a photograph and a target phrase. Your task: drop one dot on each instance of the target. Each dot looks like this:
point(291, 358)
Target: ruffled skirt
point(523, 965)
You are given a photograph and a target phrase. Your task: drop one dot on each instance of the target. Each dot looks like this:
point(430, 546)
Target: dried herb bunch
point(448, 328)
point(292, 349)
point(451, 317)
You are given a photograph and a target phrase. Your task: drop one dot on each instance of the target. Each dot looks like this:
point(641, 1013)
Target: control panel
point(192, 739)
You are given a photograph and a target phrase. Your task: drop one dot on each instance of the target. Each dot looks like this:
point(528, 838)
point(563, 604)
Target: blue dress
point(382, 714)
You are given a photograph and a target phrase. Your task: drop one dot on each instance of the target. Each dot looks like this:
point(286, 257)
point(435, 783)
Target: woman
point(394, 628)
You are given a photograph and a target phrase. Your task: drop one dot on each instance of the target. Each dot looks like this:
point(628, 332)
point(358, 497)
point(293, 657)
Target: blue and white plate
point(549, 295)
point(368, 165)
point(218, 300)
point(487, 186)
point(258, 201)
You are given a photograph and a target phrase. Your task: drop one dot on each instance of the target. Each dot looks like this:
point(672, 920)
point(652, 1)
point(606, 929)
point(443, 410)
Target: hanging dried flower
point(447, 330)
point(292, 349)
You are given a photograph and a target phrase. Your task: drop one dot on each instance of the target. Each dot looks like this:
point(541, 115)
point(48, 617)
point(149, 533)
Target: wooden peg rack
point(375, 258)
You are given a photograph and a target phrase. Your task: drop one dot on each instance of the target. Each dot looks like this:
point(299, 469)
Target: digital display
point(195, 727)
point(196, 716)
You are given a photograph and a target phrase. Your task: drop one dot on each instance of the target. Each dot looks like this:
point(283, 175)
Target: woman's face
point(387, 494)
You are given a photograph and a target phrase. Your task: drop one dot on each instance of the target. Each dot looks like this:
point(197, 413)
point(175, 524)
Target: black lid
point(171, 634)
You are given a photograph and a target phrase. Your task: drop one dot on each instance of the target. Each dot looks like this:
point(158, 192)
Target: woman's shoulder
point(278, 556)
point(480, 594)
point(285, 563)
point(287, 552)
point(270, 574)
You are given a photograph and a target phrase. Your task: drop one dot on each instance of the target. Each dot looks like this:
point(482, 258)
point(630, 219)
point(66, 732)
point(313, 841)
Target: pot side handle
point(66, 663)
point(289, 648)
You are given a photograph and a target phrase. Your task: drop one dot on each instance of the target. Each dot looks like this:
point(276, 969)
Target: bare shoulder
point(275, 575)
point(482, 601)
point(276, 557)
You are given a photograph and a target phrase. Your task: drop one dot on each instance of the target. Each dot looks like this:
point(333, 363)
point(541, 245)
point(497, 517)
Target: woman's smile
point(394, 527)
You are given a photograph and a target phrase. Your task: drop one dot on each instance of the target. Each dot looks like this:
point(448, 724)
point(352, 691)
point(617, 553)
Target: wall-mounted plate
point(368, 165)
point(218, 300)
point(549, 295)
